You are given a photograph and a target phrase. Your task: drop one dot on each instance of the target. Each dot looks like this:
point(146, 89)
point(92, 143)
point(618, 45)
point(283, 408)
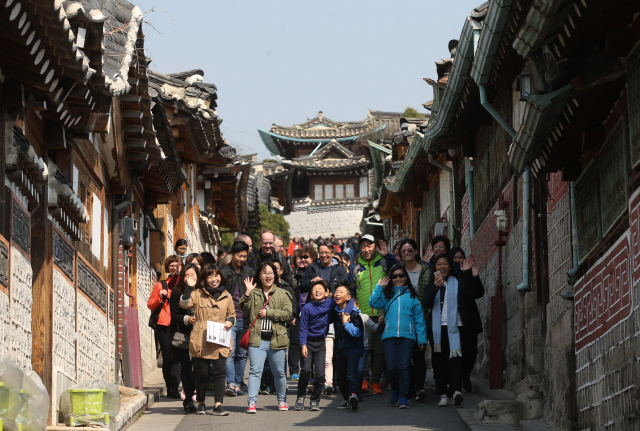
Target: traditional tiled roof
point(322, 127)
point(320, 162)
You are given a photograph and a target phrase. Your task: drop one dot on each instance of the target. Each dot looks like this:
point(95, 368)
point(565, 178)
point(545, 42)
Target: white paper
point(218, 334)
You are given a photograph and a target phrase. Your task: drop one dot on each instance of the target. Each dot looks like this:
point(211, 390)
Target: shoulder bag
point(180, 341)
point(244, 341)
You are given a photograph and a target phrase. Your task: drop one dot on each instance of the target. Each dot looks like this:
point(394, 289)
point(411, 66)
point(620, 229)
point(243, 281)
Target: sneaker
point(375, 388)
point(353, 401)
point(328, 390)
point(230, 392)
point(365, 386)
point(421, 395)
point(299, 403)
point(384, 384)
point(315, 406)
point(219, 411)
point(394, 398)
point(202, 410)
point(251, 408)
point(264, 390)
point(190, 408)
point(444, 401)
point(295, 377)
point(458, 398)
point(240, 392)
point(404, 403)
point(283, 407)
point(343, 405)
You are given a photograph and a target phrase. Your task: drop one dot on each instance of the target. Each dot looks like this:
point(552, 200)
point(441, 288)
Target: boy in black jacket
point(349, 347)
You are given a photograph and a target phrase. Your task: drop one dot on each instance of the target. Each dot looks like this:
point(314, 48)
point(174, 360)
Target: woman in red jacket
point(160, 295)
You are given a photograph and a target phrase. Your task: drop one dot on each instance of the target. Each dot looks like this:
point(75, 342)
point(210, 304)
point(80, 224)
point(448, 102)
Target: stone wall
point(144, 286)
point(559, 379)
point(323, 221)
point(5, 325)
point(64, 336)
point(94, 355)
point(20, 338)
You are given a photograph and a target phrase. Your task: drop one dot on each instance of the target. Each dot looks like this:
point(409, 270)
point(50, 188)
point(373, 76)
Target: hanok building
point(325, 170)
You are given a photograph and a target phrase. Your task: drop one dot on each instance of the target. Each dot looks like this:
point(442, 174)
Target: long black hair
point(389, 289)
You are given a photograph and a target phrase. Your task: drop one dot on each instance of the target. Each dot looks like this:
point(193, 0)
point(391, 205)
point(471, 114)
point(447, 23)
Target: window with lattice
point(492, 172)
point(85, 194)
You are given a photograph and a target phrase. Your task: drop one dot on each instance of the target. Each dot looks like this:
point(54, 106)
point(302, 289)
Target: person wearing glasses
point(267, 253)
point(404, 326)
point(330, 269)
point(420, 275)
point(268, 338)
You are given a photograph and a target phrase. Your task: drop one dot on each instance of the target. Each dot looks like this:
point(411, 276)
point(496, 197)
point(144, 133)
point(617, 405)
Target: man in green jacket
point(370, 267)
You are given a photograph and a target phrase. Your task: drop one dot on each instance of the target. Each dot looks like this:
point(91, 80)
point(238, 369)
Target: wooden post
point(42, 311)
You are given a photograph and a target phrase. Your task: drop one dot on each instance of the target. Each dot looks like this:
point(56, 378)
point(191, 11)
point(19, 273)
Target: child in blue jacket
point(404, 326)
point(349, 347)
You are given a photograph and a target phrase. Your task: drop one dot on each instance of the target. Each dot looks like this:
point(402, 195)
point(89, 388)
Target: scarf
point(215, 292)
point(451, 286)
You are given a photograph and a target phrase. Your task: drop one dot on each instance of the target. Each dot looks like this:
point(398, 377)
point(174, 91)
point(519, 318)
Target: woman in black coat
point(182, 321)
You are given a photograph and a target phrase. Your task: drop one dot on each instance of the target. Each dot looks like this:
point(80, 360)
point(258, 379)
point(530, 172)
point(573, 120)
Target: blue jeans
point(361, 364)
point(237, 360)
point(257, 356)
point(398, 352)
point(347, 375)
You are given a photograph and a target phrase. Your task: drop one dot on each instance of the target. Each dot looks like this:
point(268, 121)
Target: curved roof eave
point(267, 139)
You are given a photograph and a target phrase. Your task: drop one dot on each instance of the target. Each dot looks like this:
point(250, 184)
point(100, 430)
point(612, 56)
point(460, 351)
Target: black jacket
point(338, 276)
point(178, 313)
point(256, 258)
point(294, 301)
point(234, 279)
point(470, 288)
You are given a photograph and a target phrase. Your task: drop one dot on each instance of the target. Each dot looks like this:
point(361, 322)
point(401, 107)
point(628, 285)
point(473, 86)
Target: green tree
point(274, 222)
point(412, 113)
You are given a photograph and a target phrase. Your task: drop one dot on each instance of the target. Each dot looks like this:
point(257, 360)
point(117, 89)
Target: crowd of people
point(346, 317)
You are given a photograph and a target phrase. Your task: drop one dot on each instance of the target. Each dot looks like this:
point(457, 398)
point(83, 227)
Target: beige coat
point(205, 309)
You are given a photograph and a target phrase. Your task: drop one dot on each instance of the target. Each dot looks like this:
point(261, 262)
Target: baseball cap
point(367, 237)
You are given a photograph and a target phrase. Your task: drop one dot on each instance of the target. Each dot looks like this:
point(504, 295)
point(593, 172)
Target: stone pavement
point(374, 413)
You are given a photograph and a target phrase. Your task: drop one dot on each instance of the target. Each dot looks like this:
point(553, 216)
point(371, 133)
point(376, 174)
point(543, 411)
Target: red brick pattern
point(557, 190)
point(602, 296)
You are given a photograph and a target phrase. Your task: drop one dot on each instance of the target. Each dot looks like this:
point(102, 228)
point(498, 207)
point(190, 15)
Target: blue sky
point(283, 61)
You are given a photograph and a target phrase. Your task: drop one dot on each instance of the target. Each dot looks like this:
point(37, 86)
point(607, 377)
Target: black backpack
point(155, 314)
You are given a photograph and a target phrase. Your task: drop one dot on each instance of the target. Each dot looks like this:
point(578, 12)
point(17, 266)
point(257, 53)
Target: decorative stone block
point(20, 337)
point(94, 355)
point(64, 326)
point(144, 286)
point(5, 325)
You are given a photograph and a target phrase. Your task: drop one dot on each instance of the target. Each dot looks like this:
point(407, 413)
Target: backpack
point(155, 315)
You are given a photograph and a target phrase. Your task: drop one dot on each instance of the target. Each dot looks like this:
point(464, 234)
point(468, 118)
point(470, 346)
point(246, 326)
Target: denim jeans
point(257, 356)
point(398, 355)
point(362, 363)
point(347, 375)
point(237, 360)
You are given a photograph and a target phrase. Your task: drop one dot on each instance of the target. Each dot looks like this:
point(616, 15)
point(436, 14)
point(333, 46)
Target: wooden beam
point(592, 138)
point(137, 157)
point(135, 143)
point(133, 130)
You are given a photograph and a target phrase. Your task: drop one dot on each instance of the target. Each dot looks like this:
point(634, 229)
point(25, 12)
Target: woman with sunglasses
point(448, 300)
point(404, 325)
point(420, 275)
point(271, 306)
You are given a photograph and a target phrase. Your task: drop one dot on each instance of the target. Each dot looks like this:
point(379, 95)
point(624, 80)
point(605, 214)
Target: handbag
point(155, 314)
point(180, 341)
point(244, 341)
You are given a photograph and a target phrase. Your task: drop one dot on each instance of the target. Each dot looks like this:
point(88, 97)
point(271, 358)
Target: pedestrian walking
point(235, 273)
point(404, 326)
point(159, 300)
point(210, 302)
point(419, 275)
point(369, 268)
point(267, 253)
point(369, 326)
point(314, 326)
point(469, 333)
point(449, 312)
point(349, 347)
point(269, 308)
point(328, 268)
point(182, 321)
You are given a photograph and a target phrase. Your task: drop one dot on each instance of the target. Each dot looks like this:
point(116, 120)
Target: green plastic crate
point(89, 405)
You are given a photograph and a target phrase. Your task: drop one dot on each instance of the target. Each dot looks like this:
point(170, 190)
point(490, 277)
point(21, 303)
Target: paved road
point(374, 414)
